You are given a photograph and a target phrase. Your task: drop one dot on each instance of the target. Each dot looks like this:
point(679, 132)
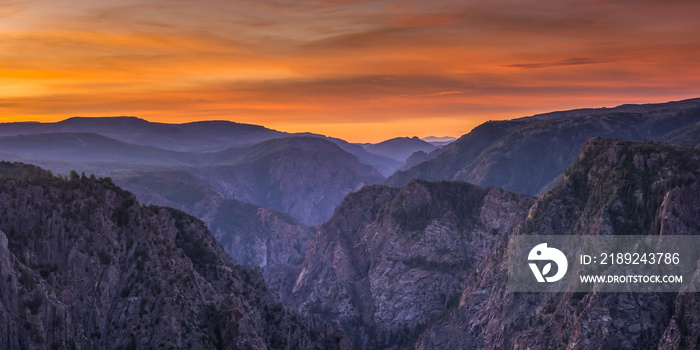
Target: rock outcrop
point(615, 187)
point(390, 262)
point(251, 234)
point(84, 265)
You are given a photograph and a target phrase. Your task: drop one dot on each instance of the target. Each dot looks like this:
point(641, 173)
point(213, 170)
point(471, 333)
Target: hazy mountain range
point(348, 257)
point(198, 137)
point(400, 148)
point(439, 141)
point(529, 155)
point(245, 162)
point(270, 173)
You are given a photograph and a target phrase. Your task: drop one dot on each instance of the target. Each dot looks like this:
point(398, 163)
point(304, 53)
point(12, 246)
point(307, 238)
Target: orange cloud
point(362, 70)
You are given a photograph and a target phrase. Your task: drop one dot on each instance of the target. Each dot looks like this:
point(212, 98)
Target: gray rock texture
point(390, 262)
point(615, 187)
point(84, 266)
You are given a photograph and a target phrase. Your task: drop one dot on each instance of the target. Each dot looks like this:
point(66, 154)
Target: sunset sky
point(364, 71)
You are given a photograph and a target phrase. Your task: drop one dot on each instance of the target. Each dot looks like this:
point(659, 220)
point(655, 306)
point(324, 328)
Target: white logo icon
point(541, 253)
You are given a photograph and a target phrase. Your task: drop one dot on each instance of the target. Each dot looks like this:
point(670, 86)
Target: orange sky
point(361, 70)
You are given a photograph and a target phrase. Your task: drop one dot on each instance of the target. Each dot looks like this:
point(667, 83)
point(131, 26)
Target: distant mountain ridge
point(300, 175)
point(194, 137)
point(385, 165)
point(529, 155)
point(206, 136)
point(400, 148)
point(305, 177)
point(438, 138)
point(439, 141)
point(89, 147)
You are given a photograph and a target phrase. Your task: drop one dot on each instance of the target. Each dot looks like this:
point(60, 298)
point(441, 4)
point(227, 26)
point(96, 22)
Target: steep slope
point(688, 136)
point(172, 188)
point(529, 155)
point(415, 159)
point(263, 237)
point(400, 148)
point(85, 266)
point(391, 261)
point(384, 165)
point(305, 177)
point(615, 187)
point(420, 157)
point(251, 234)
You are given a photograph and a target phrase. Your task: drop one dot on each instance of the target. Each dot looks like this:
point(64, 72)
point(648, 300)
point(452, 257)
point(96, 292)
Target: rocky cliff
point(251, 234)
point(529, 155)
point(390, 262)
point(615, 187)
point(84, 265)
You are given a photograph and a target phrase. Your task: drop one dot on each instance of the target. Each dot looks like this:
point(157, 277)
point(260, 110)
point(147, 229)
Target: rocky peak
point(84, 265)
point(390, 261)
point(615, 187)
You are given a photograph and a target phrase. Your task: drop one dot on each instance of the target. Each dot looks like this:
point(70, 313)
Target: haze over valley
point(342, 235)
point(347, 174)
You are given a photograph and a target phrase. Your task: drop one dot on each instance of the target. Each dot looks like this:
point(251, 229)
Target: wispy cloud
point(430, 66)
point(574, 61)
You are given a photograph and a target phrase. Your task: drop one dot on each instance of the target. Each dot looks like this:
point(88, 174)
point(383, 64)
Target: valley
point(304, 243)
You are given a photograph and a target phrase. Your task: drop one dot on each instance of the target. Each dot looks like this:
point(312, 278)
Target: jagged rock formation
point(84, 265)
point(529, 155)
point(251, 234)
point(422, 266)
point(392, 261)
point(615, 187)
point(262, 237)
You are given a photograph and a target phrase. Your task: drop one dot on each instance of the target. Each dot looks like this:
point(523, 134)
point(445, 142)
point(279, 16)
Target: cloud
point(349, 62)
point(574, 61)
